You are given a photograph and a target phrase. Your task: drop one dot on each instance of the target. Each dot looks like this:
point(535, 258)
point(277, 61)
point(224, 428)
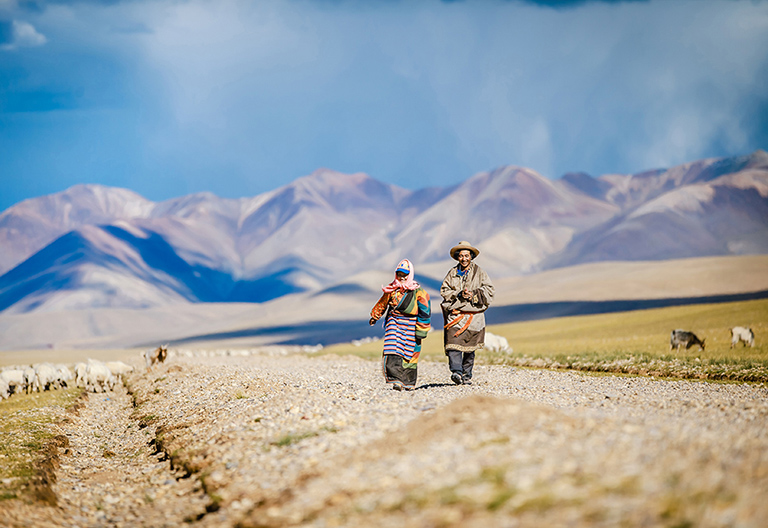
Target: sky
point(238, 97)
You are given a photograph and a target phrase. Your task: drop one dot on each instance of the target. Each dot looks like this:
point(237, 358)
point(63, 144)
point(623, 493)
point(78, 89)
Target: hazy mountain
point(94, 246)
point(32, 224)
point(516, 215)
point(715, 213)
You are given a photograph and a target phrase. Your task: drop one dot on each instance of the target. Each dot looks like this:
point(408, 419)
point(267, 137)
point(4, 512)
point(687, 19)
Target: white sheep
point(30, 378)
point(15, 379)
point(81, 371)
point(46, 376)
point(119, 369)
point(99, 376)
point(5, 391)
point(63, 375)
point(496, 343)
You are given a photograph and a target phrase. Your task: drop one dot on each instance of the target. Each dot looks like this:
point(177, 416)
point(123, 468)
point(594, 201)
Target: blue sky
point(236, 97)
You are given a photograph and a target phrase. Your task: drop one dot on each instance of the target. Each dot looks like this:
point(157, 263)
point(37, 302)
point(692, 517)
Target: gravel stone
point(289, 440)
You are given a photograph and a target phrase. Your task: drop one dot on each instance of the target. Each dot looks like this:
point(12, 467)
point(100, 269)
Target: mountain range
point(100, 247)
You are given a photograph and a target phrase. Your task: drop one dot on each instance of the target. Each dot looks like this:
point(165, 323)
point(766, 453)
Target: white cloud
point(24, 35)
point(249, 88)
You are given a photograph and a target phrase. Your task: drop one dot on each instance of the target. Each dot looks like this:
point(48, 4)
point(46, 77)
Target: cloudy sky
point(237, 97)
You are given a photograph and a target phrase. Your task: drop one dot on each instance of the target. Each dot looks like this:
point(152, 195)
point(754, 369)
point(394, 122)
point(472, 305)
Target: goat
point(153, 356)
point(683, 338)
point(740, 333)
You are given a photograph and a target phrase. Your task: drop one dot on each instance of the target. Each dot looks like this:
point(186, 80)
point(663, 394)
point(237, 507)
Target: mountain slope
point(515, 215)
point(93, 246)
point(28, 226)
point(723, 216)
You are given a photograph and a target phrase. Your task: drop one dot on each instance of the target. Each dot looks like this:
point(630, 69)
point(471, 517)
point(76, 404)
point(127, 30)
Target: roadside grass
point(25, 429)
point(634, 343)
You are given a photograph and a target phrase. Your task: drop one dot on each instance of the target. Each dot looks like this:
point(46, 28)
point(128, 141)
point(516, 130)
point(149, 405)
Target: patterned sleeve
point(424, 313)
point(381, 305)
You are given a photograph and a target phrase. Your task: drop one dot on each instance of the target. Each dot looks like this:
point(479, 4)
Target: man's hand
point(372, 321)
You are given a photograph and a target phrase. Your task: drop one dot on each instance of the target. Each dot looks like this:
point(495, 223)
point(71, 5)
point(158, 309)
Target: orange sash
point(457, 319)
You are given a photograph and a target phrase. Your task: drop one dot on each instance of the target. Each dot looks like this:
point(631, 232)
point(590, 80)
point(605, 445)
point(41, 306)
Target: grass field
point(25, 427)
point(628, 342)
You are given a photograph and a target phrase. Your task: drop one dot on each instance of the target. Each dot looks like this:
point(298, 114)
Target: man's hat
point(464, 245)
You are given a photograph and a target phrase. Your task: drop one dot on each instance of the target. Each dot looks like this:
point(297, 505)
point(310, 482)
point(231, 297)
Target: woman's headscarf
point(408, 283)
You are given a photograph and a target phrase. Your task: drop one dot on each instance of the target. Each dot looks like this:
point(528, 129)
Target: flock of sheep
point(96, 376)
point(93, 375)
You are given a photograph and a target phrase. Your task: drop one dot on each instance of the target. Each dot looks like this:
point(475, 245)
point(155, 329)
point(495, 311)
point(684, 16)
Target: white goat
point(740, 333)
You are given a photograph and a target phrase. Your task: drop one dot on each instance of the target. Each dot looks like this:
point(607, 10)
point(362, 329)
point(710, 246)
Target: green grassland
point(634, 342)
point(26, 422)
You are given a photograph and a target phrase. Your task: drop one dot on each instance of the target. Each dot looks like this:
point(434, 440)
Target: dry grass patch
point(28, 441)
point(638, 342)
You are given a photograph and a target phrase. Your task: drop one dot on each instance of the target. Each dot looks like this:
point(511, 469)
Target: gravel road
point(273, 441)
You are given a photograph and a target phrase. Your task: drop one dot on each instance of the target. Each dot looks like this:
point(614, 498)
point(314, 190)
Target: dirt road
point(294, 441)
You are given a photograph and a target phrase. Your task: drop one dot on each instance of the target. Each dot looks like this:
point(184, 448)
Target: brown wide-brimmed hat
point(464, 245)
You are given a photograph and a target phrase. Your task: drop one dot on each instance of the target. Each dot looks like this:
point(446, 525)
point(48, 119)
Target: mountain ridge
point(307, 235)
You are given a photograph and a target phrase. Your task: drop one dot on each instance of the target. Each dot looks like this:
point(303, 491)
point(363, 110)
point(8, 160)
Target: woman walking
point(405, 307)
point(467, 292)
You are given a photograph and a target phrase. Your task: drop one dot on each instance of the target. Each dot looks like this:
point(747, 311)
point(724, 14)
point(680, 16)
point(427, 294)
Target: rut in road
point(110, 475)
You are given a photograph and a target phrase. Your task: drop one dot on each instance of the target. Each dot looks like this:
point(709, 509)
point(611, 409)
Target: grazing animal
point(63, 375)
point(153, 356)
point(46, 376)
point(5, 391)
point(30, 378)
point(81, 371)
point(496, 343)
point(740, 333)
point(119, 369)
point(15, 379)
point(98, 376)
point(683, 338)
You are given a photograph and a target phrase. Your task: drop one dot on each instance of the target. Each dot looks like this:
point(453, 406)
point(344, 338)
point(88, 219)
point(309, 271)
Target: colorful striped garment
point(406, 321)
